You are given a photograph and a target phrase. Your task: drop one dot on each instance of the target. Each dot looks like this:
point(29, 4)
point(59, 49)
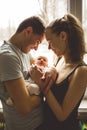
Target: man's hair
point(35, 22)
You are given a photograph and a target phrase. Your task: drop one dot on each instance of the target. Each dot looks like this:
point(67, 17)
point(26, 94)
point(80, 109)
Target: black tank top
point(72, 122)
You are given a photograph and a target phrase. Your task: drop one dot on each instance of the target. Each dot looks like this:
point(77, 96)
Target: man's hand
point(46, 81)
point(35, 73)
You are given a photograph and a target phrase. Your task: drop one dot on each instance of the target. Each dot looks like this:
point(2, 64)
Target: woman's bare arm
point(76, 89)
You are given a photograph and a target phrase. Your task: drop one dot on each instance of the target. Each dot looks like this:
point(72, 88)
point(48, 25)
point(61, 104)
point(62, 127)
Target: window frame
point(75, 7)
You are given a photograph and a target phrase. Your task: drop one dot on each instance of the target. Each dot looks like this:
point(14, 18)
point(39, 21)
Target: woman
point(65, 37)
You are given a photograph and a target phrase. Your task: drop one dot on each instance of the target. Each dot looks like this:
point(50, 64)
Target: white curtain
point(12, 12)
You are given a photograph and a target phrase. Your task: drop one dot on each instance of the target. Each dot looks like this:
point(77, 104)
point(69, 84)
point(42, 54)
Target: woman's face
point(56, 42)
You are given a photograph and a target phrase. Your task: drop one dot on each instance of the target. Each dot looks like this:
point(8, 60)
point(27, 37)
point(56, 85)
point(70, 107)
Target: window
point(14, 14)
point(47, 9)
point(11, 13)
point(84, 17)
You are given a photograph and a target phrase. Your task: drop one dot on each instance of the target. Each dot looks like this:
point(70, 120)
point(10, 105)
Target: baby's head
point(41, 61)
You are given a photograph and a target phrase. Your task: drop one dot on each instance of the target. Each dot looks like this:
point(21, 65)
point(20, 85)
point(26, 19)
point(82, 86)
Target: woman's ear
point(63, 35)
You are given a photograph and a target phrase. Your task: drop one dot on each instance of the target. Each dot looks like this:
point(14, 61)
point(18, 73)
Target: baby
point(42, 63)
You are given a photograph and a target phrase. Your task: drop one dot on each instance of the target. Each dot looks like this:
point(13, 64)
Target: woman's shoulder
point(82, 69)
point(81, 73)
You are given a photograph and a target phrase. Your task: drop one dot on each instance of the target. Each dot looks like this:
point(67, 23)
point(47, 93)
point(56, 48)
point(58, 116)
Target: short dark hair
point(35, 22)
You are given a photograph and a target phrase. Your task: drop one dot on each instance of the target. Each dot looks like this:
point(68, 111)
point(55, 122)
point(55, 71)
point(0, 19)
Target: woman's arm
point(76, 89)
point(49, 77)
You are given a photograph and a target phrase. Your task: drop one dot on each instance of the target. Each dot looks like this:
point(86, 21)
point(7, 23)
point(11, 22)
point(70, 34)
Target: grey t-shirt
point(13, 65)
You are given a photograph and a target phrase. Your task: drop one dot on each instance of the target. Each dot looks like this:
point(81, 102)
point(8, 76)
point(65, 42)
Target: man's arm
point(17, 90)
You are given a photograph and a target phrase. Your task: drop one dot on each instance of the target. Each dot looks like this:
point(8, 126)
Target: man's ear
point(63, 35)
point(29, 29)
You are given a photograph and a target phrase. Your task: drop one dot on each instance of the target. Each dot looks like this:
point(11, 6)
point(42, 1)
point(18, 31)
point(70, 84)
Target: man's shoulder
point(4, 48)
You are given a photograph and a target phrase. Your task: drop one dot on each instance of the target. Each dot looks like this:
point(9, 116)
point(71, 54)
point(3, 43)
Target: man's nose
point(49, 47)
point(35, 47)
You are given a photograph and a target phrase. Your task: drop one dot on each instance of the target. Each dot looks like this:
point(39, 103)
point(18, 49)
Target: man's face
point(33, 42)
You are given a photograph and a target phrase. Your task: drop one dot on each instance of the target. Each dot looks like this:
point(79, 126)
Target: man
point(14, 67)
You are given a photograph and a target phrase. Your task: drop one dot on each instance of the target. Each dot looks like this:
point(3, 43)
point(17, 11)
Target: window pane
point(14, 13)
point(84, 17)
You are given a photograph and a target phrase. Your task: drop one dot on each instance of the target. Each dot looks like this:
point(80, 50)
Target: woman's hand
point(44, 80)
point(50, 75)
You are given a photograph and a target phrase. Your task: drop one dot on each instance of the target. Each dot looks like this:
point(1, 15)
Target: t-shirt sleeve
point(10, 67)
